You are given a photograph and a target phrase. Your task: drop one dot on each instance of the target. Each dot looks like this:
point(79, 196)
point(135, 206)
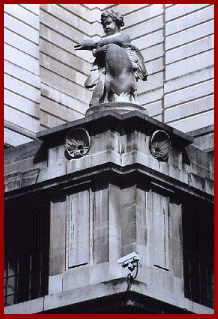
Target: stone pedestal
point(111, 193)
point(119, 107)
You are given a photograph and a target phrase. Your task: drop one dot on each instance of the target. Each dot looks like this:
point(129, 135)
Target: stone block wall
point(144, 24)
point(22, 76)
point(189, 68)
point(177, 42)
point(63, 72)
point(91, 229)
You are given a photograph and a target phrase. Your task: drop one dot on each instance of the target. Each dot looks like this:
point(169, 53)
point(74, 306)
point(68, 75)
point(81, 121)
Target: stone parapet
point(116, 139)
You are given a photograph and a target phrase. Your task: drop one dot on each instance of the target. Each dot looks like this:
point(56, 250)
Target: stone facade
point(86, 186)
point(116, 199)
point(44, 76)
point(22, 73)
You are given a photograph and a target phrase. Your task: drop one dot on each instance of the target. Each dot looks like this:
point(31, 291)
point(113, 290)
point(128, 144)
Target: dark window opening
point(199, 252)
point(26, 239)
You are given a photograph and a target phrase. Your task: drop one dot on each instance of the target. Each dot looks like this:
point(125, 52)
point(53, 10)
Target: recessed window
point(198, 240)
point(26, 248)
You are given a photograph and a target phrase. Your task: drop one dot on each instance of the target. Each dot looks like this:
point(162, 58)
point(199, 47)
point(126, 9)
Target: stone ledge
point(83, 294)
point(27, 307)
point(125, 164)
point(111, 119)
point(114, 288)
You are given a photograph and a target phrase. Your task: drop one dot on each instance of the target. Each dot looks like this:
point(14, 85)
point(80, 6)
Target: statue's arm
point(89, 44)
point(86, 45)
point(118, 39)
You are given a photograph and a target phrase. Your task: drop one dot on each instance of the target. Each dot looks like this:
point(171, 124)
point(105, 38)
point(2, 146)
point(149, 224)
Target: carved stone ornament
point(160, 145)
point(77, 143)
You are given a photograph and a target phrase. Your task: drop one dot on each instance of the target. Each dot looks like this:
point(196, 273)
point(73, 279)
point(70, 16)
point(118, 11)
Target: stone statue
point(118, 64)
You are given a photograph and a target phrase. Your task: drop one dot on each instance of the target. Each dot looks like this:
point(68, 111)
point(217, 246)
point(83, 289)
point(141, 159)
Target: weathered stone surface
point(163, 279)
point(118, 106)
point(203, 60)
point(76, 277)
point(180, 10)
point(190, 20)
point(126, 149)
point(190, 49)
point(186, 36)
point(114, 223)
point(82, 294)
point(116, 200)
point(55, 284)
point(57, 237)
point(15, 138)
point(22, 152)
point(29, 307)
point(160, 230)
point(111, 118)
point(74, 296)
point(78, 228)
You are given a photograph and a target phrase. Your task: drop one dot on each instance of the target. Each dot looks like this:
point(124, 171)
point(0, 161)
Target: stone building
point(69, 219)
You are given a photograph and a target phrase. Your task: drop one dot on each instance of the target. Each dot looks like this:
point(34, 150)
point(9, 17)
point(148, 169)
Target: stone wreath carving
point(77, 143)
point(160, 145)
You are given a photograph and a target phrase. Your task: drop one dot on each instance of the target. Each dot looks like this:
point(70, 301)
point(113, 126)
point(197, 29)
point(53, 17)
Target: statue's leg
point(92, 78)
point(99, 93)
point(111, 96)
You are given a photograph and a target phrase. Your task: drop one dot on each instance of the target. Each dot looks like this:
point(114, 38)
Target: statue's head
point(112, 21)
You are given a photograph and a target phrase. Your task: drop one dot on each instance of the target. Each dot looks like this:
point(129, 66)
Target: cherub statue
point(118, 64)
